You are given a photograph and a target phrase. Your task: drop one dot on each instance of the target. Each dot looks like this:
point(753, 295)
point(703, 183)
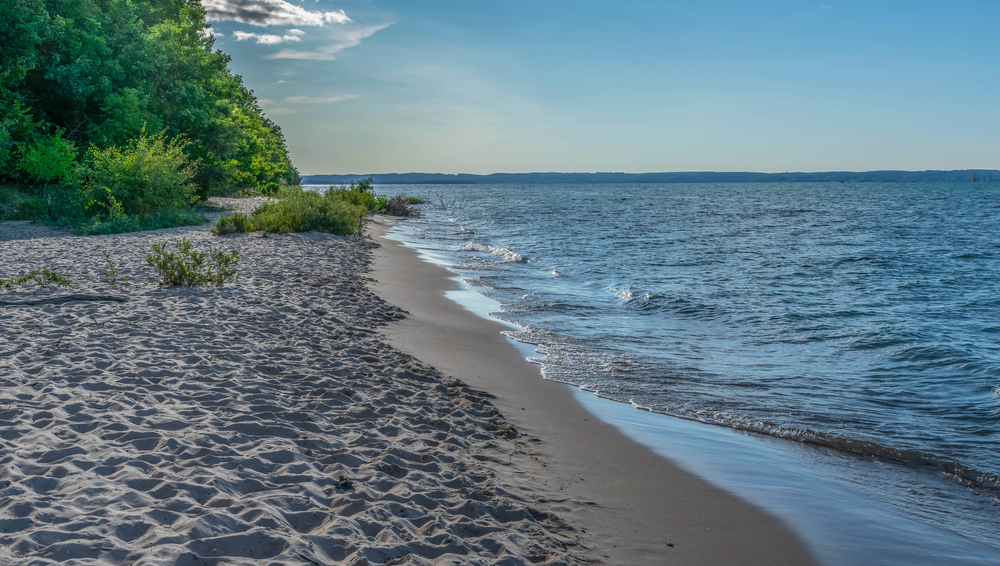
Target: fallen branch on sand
point(63, 299)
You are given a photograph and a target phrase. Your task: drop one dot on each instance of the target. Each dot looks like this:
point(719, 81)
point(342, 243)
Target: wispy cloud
point(269, 13)
point(264, 38)
point(318, 99)
point(342, 39)
point(279, 111)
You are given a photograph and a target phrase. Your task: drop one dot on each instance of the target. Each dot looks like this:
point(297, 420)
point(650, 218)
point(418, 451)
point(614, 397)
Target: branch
point(63, 299)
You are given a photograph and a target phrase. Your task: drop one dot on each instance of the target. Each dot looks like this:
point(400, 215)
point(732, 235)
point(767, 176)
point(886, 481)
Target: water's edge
point(788, 479)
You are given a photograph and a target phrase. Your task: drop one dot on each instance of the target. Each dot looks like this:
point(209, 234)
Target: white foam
point(508, 256)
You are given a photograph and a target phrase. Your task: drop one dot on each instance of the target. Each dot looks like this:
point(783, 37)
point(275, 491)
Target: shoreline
point(633, 505)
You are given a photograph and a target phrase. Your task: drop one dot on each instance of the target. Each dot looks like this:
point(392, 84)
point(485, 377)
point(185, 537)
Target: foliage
point(148, 174)
point(96, 73)
point(189, 267)
point(362, 193)
point(112, 273)
point(50, 159)
point(156, 221)
point(236, 223)
point(43, 276)
point(296, 210)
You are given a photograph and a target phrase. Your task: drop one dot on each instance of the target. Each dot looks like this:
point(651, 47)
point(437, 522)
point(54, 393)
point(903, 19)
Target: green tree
point(102, 70)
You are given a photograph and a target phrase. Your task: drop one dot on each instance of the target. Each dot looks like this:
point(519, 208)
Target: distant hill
point(682, 177)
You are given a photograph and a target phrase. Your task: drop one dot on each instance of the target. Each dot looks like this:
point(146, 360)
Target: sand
point(262, 422)
point(295, 417)
point(628, 505)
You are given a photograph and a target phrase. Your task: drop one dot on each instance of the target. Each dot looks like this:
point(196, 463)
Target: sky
point(467, 86)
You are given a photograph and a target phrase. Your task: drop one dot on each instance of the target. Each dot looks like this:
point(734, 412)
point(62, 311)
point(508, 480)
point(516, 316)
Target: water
point(862, 319)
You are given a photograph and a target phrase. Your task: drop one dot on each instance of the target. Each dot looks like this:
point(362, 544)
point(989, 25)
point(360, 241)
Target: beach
point(330, 407)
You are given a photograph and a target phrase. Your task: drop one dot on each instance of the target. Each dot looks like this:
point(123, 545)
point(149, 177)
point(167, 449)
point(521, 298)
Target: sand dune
point(259, 422)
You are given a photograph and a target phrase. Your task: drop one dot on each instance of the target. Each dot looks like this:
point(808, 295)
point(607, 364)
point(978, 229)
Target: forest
point(119, 113)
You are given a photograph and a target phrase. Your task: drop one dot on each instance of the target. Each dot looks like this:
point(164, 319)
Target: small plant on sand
point(189, 267)
point(41, 275)
point(112, 273)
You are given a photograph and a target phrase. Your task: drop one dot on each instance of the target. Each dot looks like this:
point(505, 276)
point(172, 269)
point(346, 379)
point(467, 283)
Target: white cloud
point(307, 55)
point(279, 111)
point(269, 13)
point(264, 38)
point(264, 101)
point(342, 39)
point(318, 99)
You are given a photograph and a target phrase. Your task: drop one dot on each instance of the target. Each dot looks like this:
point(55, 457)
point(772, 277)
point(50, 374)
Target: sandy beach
point(331, 407)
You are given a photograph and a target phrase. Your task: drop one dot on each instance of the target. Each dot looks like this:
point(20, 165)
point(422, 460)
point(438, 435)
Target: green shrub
point(236, 223)
point(169, 218)
point(189, 267)
point(49, 160)
point(296, 210)
point(147, 175)
point(270, 189)
point(361, 193)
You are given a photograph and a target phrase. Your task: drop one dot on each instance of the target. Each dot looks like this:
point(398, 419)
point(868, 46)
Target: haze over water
point(862, 317)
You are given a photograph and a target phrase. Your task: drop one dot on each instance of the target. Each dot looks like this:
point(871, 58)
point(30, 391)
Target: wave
point(506, 255)
point(956, 471)
point(565, 362)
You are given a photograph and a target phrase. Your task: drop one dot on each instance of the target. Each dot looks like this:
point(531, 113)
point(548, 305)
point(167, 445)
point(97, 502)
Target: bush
point(188, 266)
point(147, 175)
point(50, 160)
point(111, 224)
point(270, 189)
point(236, 223)
point(296, 210)
point(361, 193)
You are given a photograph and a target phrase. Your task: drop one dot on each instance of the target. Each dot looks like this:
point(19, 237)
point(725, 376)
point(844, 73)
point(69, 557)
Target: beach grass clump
point(190, 267)
point(297, 210)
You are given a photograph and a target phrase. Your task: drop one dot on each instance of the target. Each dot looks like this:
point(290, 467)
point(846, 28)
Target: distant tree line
point(962, 175)
point(131, 88)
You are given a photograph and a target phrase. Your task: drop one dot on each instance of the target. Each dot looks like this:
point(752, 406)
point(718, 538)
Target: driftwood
point(63, 299)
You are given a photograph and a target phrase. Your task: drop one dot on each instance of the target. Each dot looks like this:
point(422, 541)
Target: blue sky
point(376, 86)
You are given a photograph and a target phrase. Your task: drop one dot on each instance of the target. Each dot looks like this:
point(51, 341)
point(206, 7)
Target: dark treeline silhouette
point(679, 177)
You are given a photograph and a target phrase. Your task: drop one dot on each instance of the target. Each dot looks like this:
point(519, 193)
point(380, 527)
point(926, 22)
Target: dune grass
point(296, 210)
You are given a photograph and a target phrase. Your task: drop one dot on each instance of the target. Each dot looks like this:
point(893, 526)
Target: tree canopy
point(97, 74)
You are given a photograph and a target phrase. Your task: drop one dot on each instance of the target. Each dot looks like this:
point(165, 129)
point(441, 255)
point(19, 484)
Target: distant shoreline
point(955, 176)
